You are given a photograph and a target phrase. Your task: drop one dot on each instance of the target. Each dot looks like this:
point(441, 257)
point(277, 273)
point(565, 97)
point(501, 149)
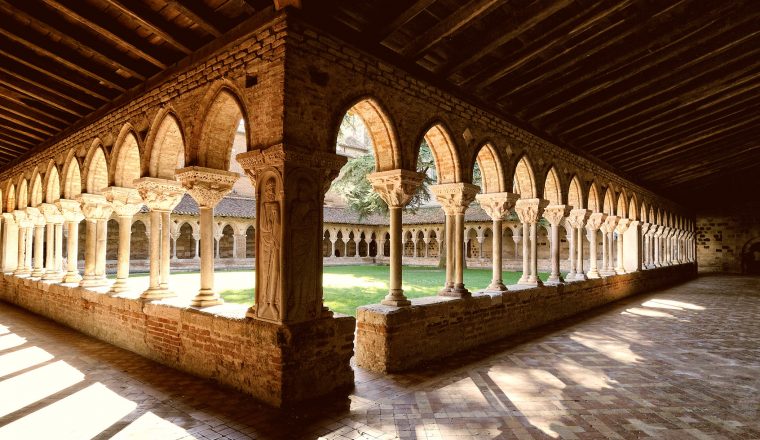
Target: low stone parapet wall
point(279, 365)
point(391, 339)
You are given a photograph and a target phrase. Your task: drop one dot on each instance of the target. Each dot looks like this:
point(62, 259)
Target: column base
point(251, 312)
point(23, 273)
point(496, 286)
point(592, 274)
point(93, 281)
point(620, 271)
point(53, 276)
point(396, 298)
point(119, 286)
point(555, 279)
point(206, 298)
point(580, 276)
point(458, 291)
point(38, 273)
point(158, 293)
point(72, 277)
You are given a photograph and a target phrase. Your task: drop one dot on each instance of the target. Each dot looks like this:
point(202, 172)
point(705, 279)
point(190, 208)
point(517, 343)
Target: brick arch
point(622, 205)
point(381, 130)
point(644, 212)
point(633, 207)
point(659, 217)
point(552, 187)
point(71, 177)
point(22, 193)
point(575, 193)
point(652, 215)
point(95, 168)
point(608, 203)
point(491, 169)
point(594, 201)
point(125, 162)
point(10, 194)
point(35, 188)
point(165, 146)
point(217, 132)
point(447, 165)
point(52, 183)
point(524, 181)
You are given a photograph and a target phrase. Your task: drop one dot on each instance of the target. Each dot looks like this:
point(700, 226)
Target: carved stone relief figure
point(269, 249)
point(304, 240)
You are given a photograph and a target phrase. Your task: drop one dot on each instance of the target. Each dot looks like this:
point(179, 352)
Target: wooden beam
point(24, 109)
point(404, 17)
point(198, 13)
point(24, 129)
point(10, 137)
point(460, 19)
point(9, 150)
point(110, 29)
point(14, 131)
point(26, 122)
point(282, 4)
point(153, 22)
point(41, 95)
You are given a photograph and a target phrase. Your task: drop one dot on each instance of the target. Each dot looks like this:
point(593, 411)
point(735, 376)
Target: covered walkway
point(677, 363)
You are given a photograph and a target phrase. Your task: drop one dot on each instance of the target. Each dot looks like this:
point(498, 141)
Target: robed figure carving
point(305, 238)
point(270, 225)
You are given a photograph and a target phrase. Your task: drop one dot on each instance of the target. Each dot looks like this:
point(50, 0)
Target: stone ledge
point(279, 365)
point(392, 339)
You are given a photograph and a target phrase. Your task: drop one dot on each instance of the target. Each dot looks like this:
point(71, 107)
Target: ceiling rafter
point(153, 21)
point(200, 14)
point(401, 19)
point(26, 122)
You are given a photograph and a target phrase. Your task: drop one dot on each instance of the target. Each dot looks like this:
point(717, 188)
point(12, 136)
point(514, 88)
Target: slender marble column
point(555, 214)
point(97, 211)
point(593, 224)
point(622, 226)
point(10, 243)
point(497, 206)
point(126, 202)
point(23, 225)
point(530, 211)
point(72, 216)
point(577, 220)
point(39, 247)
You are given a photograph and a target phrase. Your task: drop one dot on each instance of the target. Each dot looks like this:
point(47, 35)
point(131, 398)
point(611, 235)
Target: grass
point(345, 287)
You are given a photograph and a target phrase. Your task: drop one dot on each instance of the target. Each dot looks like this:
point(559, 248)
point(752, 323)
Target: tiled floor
point(679, 363)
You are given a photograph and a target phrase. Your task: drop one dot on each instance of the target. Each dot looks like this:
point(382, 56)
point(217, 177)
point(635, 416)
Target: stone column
point(333, 240)
point(380, 245)
point(207, 186)
point(358, 240)
point(197, 238)
point(161, 196)
point(239, 240)
point(426, 240)
point(10, 243)
point(530, 211)
point(126, 202)
point(480, 239)
point(53, 225)
point(658, 245)
point(644, 259)
point(611, 224)
point(622, 226)
point(396, 188)
point(454, 199)
point(554, 214)
point(72, 216)
point(517, 238)
point(497, 206)
point(37, 229)
point(97, 211)
point(23, 226)
point(594, 222)
point(577, 220)
point(290, 188)
point(570, 237)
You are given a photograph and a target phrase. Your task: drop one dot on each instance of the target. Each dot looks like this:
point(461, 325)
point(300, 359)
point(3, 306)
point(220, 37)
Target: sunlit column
point(208, 187)
point(29, 244)
point(10, 243)
point(644, 244)
point(594, 222)
point(126, 202)
point(555, 214)
point(197, 238)
point(570, 237)
point(449, 251)
point(497, 206)
point(577, 220)
point(23, 225)
point(605, 249)
point(53, 222)
point(622, 226)
point(611, 223)
point(72, 216)
point(37, 229)
point(97, 211)
point(426, 240)
point(530, 211)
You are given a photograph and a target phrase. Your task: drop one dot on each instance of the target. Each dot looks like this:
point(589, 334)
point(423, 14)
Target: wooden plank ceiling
point(665, 92)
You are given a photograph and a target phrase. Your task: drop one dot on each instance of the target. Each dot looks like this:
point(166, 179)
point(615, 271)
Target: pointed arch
point(95, 169)
point(447, 167)
point(220, 126)
point(524, 181)
point(381, 131)
point(10, 194)
point(633, 207)
point(594, 202)
point(22, 193)
point(575, 193)
point(609, 202)
point(125, 160)
point(72, 177)
point(552, 187)
point(165, 146)
point(644, 212)
point(52, 183)
point(35, 189)
point(659, 217)
point(491, 169)
point(622, 205)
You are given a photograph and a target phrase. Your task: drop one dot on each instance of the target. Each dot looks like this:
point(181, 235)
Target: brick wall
point(390, 339)
point(276, 364)
point(725, 242)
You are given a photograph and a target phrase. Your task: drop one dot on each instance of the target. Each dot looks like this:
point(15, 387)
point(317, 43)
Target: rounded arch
point(220, 125)
point(552, 187)
point(524, 181)
point(22, 193)
point(35, 189)
point(445, 156)
point(622, 205)
point(491, 169)
point(95, 169)
point(575, 193)
point(52, 183)
point(381, 130)
point(165, 146)
point(609, 202)
point(125, 161)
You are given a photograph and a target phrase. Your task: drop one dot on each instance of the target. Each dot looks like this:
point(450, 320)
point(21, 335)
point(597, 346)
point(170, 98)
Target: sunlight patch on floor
point(647, 312)
point(612, 348)
point(11, 340)
point(679, 305)
point(22, 359)
point(150, 425)
point(36, 384)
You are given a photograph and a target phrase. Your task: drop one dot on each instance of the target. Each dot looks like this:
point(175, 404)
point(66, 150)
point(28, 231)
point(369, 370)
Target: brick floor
point(678, 363)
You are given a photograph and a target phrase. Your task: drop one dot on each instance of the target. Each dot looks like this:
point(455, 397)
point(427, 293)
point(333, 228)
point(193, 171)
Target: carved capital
point(21, 218)
point(645, 227)
point(657, 230)
point(160, 194)
point(577, 217)
point(530, 210)
point(206, 185)
point(622, 225)
point(454, 197)
point(126, 202)
point(51, 213)
point(611, 222)
point(95, 206)
point(595, 221)
point(396, 187)
point(71, 210)
point(555, 213)
point(9, 218)
point(497, 205)
point(35, 217)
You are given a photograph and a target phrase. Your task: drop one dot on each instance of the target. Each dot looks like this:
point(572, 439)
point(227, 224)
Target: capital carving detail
point(126, 202)
point(35, 217)
point(577, 217)
point(623, 225)
point(95, 206)
point(70, 209)
point(530, 210)
point(611, 222)
point(555, 213)
point(595, 221)
point(51, 213)
point(206, 185)
point(160, 194)
point(497, 205)
point(396, 187)
point(454, 197)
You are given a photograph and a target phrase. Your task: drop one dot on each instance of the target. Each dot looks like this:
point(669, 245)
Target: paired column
point(54, 251)
point(622, 226)
point(644, 260)
point(207, 186)
point(161, 196)
point(72, 216)
point(396, 188)
point(23, 222)
point(97, 211)
point(608, 229)
point(577, 220)
point(37, 244)
point(497, 206)
point(594, 222)
point(126, 202)
point(10, 233)
point(554, 214)
point(454, 199)
point(530, 212)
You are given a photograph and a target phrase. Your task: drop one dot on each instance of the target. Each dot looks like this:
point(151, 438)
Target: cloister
point(223, 157)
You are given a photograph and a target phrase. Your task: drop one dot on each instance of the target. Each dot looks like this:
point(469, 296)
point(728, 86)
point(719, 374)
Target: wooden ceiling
point(665, 92)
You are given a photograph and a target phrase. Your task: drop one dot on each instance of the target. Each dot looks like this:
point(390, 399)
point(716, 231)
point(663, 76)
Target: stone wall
point(729, 243)
point(391, 339)
point(276, 364)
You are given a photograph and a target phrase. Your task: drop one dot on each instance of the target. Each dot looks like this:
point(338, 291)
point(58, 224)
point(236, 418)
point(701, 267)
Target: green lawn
point(345, 287)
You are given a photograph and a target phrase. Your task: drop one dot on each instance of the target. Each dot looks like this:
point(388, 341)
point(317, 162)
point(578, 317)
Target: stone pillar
point(23, 226)
point(97, 211)
point(125, 202)
point(577, 220)
point(333, 240)
point(480, 239)
point(426, 240)
point(197, 238)
point(611, 224)
point(53, 225)
point(380, 245)
point(396, 188)
point(644, 260)
point(530, 211)
point(161, 196)
point(239, 241)
point(497, 206)
point(594, 222)
point(454, 199)
point(10, 243)
point(517, 238)
point(72, 215)
point(207, 186)
point(570, 237)
point(358, 240)
point(622, 226)
point(37, 230)
point(554, 214)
